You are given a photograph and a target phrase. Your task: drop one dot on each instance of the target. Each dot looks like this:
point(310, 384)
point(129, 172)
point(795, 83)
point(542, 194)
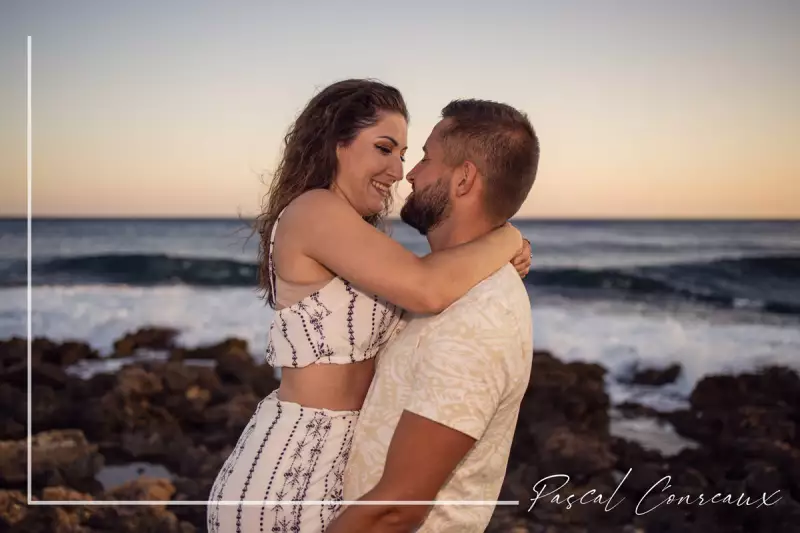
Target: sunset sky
point(644, 109)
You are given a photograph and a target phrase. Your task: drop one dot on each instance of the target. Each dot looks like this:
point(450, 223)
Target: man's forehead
point(435, 137)
point(440, 126)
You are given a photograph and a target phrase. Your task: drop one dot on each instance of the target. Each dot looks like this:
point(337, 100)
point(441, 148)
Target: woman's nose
point(396, 170)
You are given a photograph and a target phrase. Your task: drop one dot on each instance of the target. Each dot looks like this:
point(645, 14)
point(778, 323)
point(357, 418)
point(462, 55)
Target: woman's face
point(372, 163)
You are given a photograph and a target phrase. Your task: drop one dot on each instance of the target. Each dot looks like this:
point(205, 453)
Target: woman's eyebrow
point(390, 138)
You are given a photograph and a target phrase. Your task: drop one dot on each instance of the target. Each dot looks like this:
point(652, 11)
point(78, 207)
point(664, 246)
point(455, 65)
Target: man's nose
point(410, 175)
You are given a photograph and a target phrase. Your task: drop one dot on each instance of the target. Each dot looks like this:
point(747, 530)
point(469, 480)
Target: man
point(440, 415)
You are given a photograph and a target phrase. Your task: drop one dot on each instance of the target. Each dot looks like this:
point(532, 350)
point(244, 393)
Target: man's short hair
point(501, 142)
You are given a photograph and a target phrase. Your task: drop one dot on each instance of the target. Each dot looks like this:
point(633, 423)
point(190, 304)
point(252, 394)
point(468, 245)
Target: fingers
point(524, 253)
point(522, 260)
point(522, 266)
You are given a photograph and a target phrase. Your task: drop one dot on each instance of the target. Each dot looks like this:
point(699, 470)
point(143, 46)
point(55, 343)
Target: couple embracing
point(401, 376)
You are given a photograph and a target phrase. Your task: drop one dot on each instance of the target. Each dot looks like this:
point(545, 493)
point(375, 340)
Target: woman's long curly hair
point(333, 117)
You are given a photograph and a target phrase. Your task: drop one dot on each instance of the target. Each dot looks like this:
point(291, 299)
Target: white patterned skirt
point(286, 453)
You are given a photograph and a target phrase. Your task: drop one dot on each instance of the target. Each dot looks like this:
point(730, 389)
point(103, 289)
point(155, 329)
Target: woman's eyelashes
point(388, 151)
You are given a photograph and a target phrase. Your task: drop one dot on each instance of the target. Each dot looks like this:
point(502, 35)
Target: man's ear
point(465, 176)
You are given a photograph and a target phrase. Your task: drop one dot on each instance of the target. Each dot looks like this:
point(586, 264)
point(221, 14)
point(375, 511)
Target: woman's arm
point(334, 235)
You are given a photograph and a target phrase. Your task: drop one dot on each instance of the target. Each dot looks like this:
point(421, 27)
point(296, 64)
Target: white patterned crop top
point(337, 324)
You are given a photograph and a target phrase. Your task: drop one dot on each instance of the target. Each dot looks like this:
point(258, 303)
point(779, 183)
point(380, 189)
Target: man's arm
point(421, 457)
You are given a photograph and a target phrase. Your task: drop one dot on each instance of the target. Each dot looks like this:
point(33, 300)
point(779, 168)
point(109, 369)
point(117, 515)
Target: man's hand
point(421, 456)
point(522, 261)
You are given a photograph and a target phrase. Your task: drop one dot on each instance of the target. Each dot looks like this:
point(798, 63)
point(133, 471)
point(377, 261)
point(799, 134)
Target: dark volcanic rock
point(136, 383)
point(763, 406)
point(13, 509)
point(654, 376)
point(51, 409)
point(64, 354)
point(746, 425)
point(771, 387)
point(233, 415)
point(563, 415)
point(143, 489)
point(12, 352)
point(569, 393)
point(211, 351)
point(49, 360)
point(59, 457)
point(136, 520)
point(188, 418)
point(17, 517)
point(151, 338)
point(575, 454)
point(13, 413)
point(177, 377)
point(716, 425)
point(235, 366)
point(184, 417)
point(563, 430)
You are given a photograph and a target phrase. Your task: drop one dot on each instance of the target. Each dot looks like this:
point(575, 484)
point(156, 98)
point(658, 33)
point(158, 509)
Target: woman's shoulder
point(314, 199)
point(304, 207)
point(319, 207)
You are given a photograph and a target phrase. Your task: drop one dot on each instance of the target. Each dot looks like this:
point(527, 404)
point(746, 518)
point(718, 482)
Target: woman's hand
point(522, 261)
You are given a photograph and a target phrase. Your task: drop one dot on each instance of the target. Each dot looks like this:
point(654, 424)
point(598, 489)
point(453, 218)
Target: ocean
point(714, 296)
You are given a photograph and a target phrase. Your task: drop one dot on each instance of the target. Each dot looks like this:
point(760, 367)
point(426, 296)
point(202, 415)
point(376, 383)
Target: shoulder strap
point(271, 248)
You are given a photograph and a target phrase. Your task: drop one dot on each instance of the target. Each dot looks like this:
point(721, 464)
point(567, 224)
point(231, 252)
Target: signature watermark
point(592, 497)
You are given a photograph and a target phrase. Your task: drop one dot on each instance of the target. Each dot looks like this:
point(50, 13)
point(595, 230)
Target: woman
point(339, 287)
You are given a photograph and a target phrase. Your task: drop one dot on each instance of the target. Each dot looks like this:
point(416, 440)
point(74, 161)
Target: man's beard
point(425, 209)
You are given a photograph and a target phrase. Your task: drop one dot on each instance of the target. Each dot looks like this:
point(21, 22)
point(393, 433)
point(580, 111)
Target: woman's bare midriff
point(327, 386)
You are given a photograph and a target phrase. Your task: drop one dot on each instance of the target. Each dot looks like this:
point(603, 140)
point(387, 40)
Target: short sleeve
point(463, 367)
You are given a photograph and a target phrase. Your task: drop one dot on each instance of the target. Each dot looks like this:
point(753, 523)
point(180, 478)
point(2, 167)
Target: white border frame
point(167, 503)
point(29, 170)
point(31, 501)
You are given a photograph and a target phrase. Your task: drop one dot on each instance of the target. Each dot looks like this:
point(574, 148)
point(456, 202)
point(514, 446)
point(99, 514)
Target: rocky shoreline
point(184, 409)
